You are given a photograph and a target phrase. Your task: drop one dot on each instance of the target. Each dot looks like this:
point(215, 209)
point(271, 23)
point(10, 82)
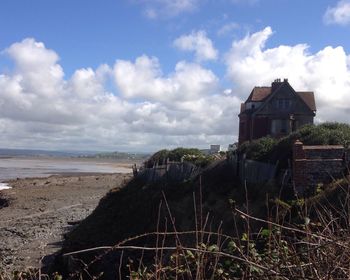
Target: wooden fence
point(252, 171)
point(249, 171)
point(171, 172)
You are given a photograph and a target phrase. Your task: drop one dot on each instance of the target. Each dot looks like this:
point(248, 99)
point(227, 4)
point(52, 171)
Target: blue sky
point(147, 74)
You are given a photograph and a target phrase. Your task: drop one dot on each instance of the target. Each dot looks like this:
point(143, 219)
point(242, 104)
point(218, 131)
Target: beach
point(35, 213)
point(31, 166)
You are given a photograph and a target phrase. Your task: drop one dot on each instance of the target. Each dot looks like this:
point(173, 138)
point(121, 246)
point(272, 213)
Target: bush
point(177, 154)
point(258, 149)
point(199, 160)
point(269, 149)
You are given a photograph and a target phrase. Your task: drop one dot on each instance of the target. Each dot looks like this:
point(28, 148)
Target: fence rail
point(172, 172)
point(252, 171)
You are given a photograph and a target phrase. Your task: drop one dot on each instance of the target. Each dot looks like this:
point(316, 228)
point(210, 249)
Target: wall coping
point(318, 159)
point(324, 147)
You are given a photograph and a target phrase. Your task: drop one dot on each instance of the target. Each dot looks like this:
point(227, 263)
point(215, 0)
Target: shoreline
point(29, 167)
point(37, 212)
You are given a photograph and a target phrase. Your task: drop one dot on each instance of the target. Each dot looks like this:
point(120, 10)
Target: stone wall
point(317, 164)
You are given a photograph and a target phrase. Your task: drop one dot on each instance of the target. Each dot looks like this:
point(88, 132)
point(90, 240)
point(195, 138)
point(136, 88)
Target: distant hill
point(79, 154)
point(116, 155)
point(35, 153)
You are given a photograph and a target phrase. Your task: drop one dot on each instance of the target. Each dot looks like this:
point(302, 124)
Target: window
point(279, 126)
point(283, 103)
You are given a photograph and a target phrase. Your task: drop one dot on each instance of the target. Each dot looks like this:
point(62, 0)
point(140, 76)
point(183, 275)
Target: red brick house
point(275, 111)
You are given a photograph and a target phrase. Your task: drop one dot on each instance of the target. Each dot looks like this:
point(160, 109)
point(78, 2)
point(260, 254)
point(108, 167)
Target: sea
point(30, 167)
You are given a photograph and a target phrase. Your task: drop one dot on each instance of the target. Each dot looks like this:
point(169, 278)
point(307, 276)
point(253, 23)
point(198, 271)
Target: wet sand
point(41, 210)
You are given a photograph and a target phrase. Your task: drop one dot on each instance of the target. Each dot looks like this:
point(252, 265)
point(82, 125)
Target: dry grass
point(313, 245)
point(313, 242)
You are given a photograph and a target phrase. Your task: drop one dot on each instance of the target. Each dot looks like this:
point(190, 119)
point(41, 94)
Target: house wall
point(244, 128)
point(317, 164)
point(303, 120)
point(261, 127)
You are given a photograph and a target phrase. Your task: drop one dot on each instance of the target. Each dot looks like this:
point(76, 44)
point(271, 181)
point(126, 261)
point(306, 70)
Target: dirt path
point(39, 210)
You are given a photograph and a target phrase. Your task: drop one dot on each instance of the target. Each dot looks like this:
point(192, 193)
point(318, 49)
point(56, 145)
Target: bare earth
point(39, 210)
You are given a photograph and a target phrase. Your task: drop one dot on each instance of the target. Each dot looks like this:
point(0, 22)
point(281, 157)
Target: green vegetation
point(231, 232)
point(187, 154)
point(258, 149)
point(269, 149)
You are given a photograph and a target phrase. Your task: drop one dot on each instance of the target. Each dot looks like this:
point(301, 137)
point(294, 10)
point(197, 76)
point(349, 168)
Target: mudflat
point(37, 212)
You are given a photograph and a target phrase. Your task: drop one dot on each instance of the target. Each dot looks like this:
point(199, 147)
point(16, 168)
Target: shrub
point(177, 154)
point(199, 160)
point(269, 149)
point(259, 148)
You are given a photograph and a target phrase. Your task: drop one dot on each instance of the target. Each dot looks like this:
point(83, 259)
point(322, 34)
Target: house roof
point(259, 94)
point(309, 99)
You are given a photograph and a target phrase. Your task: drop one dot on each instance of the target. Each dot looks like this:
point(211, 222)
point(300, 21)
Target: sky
point(142, 75)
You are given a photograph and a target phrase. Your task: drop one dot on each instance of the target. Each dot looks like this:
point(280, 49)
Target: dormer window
point(252, 105)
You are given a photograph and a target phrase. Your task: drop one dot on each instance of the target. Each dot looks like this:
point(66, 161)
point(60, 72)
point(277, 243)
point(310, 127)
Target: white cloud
point(133, 105)
point(326, 72)
point(39, 108)
point(339, 14)
point(164, 9)
point(36, 67)
point(199, 43)
point(144, 79)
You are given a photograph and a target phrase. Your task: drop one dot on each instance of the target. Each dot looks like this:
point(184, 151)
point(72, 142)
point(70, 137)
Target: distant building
point(275, 111)
point(214, 149)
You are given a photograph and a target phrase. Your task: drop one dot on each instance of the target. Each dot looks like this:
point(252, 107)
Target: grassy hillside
point(212, 227)
point(140, 208)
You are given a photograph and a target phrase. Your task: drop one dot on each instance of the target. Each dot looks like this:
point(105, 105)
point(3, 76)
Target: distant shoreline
point(41, 167)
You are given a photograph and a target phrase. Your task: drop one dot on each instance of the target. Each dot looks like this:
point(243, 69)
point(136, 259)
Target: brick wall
point(317, 164)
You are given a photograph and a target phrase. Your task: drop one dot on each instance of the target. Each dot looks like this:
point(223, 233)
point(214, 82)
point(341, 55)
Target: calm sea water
point(12, 168)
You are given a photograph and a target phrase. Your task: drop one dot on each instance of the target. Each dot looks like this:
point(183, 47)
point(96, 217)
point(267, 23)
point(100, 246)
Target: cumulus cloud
point(326, 72)
point(147, 110)
point(155, 9)
point(339, 14)
point(199, 43)
point(133, 105)
point(144, 79)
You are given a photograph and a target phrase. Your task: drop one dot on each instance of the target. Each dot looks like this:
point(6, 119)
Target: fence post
point(298, 173)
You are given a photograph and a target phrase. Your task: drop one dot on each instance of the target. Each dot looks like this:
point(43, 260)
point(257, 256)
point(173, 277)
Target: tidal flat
point(37, 212)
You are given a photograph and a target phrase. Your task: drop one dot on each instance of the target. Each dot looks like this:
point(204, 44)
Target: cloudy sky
point(140, 75)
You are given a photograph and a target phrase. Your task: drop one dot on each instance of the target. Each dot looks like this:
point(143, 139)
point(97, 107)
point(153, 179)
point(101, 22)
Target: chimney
point(275, 84)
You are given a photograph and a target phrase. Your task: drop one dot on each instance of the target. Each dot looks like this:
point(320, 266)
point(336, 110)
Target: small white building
point(215, 149)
